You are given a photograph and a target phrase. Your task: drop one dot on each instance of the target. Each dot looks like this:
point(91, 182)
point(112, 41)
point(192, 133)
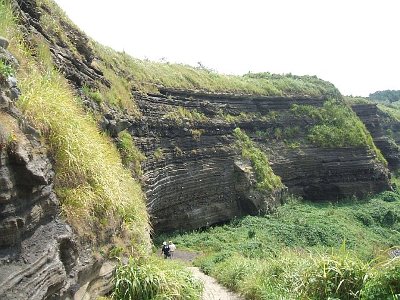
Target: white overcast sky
point(355, 44)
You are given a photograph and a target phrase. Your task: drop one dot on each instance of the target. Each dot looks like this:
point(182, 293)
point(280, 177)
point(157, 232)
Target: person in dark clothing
point(165, 250)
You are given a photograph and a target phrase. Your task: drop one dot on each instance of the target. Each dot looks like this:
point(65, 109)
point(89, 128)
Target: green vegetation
point(266, 179)
point(336, 125)
point(182, 114)
point(196, 133)
point(130, 154)
point(384, 282)
point(97, 193)
point(388, 96)
point(92, 94)
point(148, 75)
point(306, 251)
point(5, 71)
point(155, 278)
point(158, 154)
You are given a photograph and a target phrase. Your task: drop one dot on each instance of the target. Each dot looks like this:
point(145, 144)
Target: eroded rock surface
point(40, 257)
point(192, 176)
point(384, 130)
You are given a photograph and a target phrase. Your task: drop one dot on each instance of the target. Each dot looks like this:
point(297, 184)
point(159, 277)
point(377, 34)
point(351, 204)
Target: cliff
point(197, 180)
point(384, 129)
point(205, 147)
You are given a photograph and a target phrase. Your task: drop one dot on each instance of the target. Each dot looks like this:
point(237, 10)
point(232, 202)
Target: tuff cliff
point(197, 180)
point(40, 256)
point(196, 171)
point(384, 129)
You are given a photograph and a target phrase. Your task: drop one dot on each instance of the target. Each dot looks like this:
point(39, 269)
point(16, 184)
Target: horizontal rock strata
point(195, 183)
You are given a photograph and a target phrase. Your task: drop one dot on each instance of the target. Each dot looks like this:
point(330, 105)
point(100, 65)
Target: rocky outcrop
point(40, 256)
point(384, 130)
point(77, 64)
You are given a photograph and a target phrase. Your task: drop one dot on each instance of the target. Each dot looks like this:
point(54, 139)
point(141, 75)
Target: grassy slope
point(269, 257)
point(97, 193)
point(146, 75)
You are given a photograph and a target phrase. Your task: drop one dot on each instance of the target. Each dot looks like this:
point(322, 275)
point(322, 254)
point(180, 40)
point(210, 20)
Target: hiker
point(165, 250)
point(172, 248)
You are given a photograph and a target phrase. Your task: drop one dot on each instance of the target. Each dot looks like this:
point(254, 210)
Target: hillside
point(99, 150)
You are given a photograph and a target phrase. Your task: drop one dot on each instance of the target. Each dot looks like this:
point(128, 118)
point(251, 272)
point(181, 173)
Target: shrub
point(155, 278)
point(158, 154)
point(182, 114)
point(384, 282)
point(5, 71)
point(389, 196)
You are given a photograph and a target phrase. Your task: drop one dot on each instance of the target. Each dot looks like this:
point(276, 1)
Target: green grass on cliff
point(306, 250)
point(336, 125)
point(147, 75)
point(265, 176)
point(98, 195)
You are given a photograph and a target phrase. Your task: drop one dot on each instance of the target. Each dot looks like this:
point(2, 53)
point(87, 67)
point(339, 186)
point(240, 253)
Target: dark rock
point(4, 42)
point(40, 257)
point(384, 131)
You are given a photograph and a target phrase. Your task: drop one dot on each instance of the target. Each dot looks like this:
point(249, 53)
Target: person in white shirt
point(172, 248)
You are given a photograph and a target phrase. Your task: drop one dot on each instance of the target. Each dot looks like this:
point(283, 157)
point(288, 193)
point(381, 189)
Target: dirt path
point(212, 289)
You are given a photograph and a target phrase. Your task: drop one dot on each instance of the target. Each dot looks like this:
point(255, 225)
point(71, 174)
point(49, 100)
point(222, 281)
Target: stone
point(15, 93)
point(4, 101)
point(4, 42)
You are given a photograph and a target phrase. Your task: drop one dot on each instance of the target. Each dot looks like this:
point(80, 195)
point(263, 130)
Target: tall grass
point(153, 279)
point(98, 195)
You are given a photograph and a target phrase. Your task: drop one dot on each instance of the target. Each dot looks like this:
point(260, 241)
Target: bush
point(389, 196)
point(155, 278)
point(384, 283)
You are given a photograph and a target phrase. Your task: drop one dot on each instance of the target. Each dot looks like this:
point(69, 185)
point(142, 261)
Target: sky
point(354, 44)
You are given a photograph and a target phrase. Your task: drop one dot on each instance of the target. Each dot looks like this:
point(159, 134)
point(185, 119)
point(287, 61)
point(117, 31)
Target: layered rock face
point(384, 130)
point(192, 175)
point(40, 257)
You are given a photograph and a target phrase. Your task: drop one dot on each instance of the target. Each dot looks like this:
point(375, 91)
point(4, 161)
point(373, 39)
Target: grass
point(130, 154)
point(98, 195)
point(148, 75)
point(182, 114)
point(305, 250)
point(155, 278)
point(266, 178)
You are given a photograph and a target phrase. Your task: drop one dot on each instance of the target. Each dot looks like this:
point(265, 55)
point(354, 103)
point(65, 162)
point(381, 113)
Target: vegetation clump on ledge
point(336, 125)
point(266, 178)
